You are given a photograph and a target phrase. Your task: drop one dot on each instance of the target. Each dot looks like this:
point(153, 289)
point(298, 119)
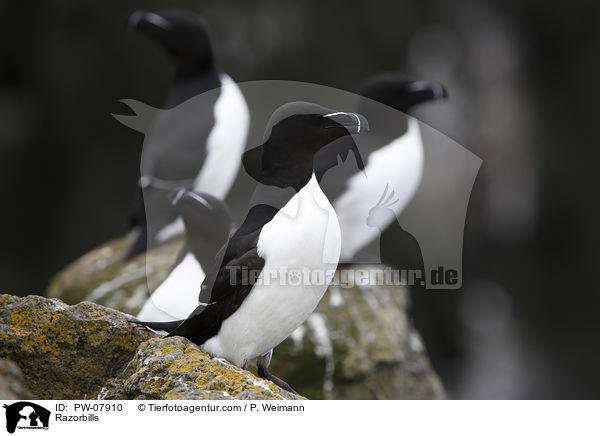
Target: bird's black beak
point(422, 91)
point(329, 156)
point(354, 123)
point(149, 22)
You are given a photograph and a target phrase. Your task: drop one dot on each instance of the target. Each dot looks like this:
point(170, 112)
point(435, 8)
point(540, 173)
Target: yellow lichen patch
point(174, 368)
point(65, 351)
point(38, 331)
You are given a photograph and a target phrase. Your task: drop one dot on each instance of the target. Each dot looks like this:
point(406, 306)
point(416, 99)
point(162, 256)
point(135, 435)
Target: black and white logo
point(26, 415)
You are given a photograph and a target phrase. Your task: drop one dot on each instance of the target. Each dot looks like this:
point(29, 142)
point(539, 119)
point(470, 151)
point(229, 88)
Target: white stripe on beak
point(201, 200)
point(358, 120)
point(345, 113)
point(158, 21)
point(178, 196)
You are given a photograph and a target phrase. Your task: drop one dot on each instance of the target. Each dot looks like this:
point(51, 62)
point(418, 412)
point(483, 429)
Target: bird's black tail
point(167, 326)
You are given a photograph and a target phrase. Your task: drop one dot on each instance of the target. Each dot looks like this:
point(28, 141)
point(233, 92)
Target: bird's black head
point(294, 134)
point(310, 127)
point(182, 34)
point(400, 92)
point(206, 219)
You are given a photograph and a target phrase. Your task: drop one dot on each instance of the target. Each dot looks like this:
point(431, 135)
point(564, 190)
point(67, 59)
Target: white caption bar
point(324, 417)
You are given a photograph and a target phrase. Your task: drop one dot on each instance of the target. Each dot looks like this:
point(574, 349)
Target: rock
point(12, 384)
point(102, 276)
point(65, 351)
point(176, 369)
point(359, 343)
point(89, 351)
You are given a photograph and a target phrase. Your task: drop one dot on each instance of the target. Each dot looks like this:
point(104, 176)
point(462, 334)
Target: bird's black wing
point(224, 291)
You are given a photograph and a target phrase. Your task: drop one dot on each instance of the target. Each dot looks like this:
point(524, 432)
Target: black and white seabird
point(207, 225)
point(242, 320)
point(195, 142)
point(393, 157)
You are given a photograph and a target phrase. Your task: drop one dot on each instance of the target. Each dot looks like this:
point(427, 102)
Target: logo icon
point(26, 415)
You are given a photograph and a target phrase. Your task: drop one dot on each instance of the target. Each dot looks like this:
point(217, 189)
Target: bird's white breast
point(226, 141)
point(177, 296)
point(303, 238)
point(224, 147)
point(398, 164)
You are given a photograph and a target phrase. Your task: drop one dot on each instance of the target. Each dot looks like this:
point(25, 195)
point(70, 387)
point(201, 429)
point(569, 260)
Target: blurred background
point(524, 92)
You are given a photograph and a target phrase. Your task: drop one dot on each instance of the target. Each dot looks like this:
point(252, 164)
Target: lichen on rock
point(175, 369)
point(65, 351)
point(89, 351)
point(358, 344)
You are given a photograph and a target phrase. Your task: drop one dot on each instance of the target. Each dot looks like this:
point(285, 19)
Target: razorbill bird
point(197, 141)
point(239, 318)
point(393, 155)
point(207, 225)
